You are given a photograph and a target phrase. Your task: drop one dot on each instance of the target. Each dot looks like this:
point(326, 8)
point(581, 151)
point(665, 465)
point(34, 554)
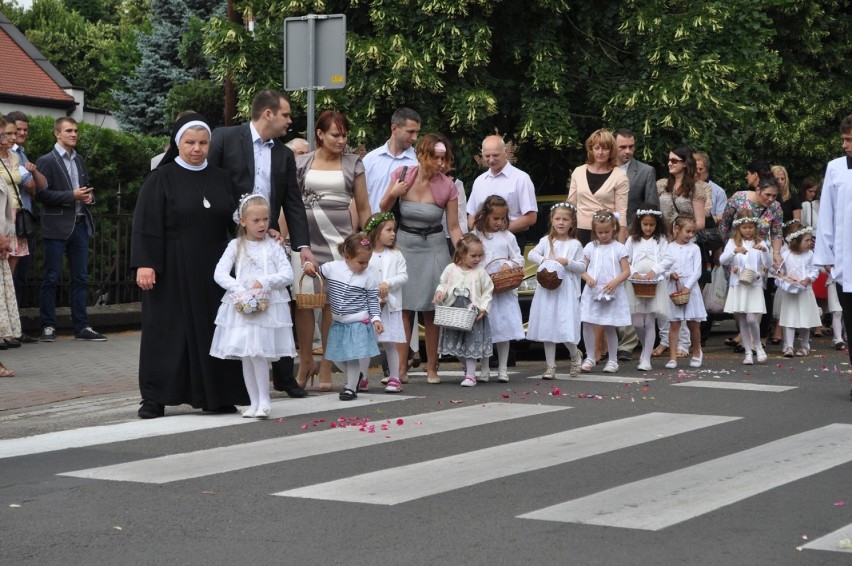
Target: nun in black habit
point(182, 224)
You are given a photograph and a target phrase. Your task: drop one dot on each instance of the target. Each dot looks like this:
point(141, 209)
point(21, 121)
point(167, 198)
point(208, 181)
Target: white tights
point(645, 324)
point(352, 369)
point(550, 352)
point(256, 377)
point(502, 356)
point(611, 341)
point(837, 325)
point(393, 358)
point(804, 337)
point(470, 364)
point(749, 324)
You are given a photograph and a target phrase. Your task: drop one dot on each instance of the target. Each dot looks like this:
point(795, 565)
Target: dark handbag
point(709, 237)
point(25, 223)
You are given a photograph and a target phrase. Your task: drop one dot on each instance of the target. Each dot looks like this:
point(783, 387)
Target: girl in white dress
point(745, 299)
point(685, 259)
point(794, 282)
point(501, 249)
point(261, 331)
point(388, 266)
point(646, 251)
point(465, 283)
point(604, 300)
point(558, 251)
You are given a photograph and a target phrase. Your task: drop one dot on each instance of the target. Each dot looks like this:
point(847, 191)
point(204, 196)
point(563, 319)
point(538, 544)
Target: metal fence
point(111, 280)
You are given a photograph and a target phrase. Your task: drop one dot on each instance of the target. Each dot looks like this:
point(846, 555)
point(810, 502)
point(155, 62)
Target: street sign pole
point(314, 58)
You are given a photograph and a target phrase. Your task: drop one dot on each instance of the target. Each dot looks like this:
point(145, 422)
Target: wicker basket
point(311, 300)
point(644, 288)
point(747, 276)
point(681, 296)
point(250, 301)
point(506, 279)
point(458, 318)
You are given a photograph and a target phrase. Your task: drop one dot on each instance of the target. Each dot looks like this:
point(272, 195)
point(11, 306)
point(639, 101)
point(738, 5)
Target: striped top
point(349, 293)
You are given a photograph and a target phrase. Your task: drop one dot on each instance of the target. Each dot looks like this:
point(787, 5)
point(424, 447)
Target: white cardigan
point(389, 267)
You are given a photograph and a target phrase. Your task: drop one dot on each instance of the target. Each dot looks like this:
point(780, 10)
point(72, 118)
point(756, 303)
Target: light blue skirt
point(352, 341)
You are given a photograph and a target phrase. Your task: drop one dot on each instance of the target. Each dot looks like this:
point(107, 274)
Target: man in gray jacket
point(642, 178)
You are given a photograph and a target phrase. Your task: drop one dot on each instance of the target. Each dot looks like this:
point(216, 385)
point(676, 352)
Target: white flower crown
point(567, 205)
point(802, 232)
point(752, 219)
point(644, 212)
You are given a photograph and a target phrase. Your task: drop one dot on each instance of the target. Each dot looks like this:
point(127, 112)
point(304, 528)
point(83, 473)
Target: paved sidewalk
point(69, 369)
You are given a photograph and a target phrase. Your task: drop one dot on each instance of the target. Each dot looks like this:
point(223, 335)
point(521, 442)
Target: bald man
point(506, 180)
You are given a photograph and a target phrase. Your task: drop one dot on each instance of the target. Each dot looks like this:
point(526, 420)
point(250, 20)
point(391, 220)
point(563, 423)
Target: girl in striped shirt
point(353, 294)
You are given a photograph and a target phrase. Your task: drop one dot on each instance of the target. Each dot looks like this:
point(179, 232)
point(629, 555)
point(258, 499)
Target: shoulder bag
point(25, 221)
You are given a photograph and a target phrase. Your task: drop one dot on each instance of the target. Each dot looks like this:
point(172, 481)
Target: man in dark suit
point(259, 163)
point(643, 189)
point(66, 226)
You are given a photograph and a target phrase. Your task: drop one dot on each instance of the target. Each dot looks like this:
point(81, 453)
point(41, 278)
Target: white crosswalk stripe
point(665, 500)
point(736, 386)
point(133, 430)
point(838, 541)
point(406, 483)
point(230, 458)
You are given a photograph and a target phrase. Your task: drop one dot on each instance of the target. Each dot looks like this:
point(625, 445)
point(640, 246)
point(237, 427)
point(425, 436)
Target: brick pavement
point(69, 369)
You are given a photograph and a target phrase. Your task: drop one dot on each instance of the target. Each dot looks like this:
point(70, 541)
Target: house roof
point(36, 80)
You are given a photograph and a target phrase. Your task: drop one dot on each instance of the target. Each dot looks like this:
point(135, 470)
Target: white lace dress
point(267, 334)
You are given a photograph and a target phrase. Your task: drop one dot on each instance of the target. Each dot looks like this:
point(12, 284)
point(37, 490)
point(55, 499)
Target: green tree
point(738, 78)
point(91, 55)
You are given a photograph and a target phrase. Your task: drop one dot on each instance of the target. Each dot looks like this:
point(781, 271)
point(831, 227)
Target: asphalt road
point(669, 469)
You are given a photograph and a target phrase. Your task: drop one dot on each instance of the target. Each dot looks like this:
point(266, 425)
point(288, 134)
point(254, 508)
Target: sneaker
point(549, 373)
point(49, 335)
point(363, 384)
point(575, 365)
point(503, 376)
point(484, 374)
point(611, 367)
point(761, 354)
point(88, 334)
point(394, 385)
point(749, 359)
point(468, 381)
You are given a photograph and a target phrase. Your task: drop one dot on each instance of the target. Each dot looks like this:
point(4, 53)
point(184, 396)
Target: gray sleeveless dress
point(426, 257)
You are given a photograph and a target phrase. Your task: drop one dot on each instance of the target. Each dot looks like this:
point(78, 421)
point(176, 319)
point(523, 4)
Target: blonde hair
point(606, 140)
point(785, 188)
point(463, 247)
point(572, 213)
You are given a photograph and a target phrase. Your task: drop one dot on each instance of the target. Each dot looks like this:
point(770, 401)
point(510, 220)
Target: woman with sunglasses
point(681, 194)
